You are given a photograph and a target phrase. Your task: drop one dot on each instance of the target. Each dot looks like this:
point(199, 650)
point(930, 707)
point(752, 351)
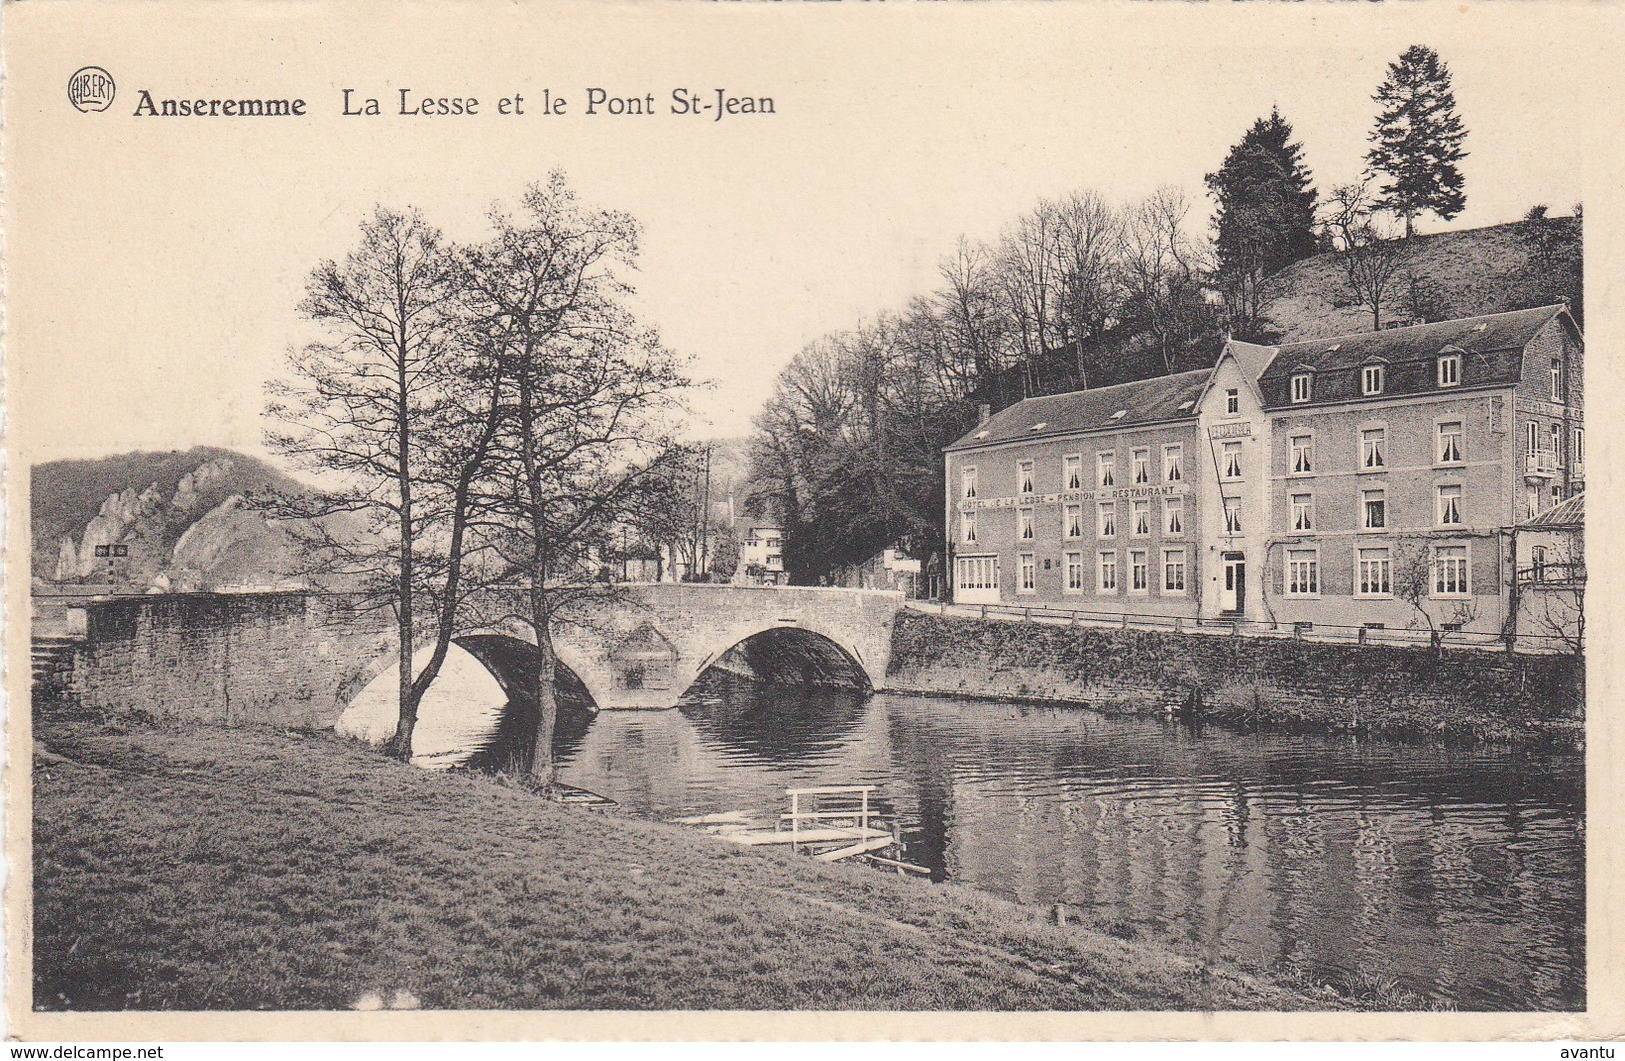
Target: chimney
point(984, 413)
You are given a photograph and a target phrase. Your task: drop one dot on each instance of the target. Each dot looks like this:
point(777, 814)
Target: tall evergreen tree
point(1265, 215)
point(1416, 143)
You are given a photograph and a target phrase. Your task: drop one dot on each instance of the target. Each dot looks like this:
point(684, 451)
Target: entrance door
point(1234, 594)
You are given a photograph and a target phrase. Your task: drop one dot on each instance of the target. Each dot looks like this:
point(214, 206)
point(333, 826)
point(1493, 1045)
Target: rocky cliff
point(160, 520)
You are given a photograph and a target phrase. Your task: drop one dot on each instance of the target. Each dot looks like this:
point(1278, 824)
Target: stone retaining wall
point(271, 659)
point(1394, 689)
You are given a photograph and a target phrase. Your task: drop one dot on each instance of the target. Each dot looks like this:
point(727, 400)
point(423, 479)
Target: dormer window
point(1449, 370)
point(1232, 402)
point(1371, 379)
point(1302, 386)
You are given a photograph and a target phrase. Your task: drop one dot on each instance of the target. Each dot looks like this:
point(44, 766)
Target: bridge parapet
point(617, 651)
point(294, 658)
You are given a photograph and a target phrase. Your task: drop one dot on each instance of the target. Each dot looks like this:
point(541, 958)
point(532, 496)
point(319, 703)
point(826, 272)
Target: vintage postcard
point(630, 520)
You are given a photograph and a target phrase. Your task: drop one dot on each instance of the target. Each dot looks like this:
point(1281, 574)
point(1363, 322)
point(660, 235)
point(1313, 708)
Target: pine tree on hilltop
point(1265, 215)
point(1416, 143)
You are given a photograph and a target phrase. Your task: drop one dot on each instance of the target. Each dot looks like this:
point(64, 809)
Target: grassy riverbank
point(207, 868)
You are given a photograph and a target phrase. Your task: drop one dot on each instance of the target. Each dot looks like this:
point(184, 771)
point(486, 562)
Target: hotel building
point(1345, 481)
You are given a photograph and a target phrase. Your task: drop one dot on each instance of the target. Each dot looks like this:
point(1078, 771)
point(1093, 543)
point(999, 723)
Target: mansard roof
point(1147, 401)
point(1491, 346)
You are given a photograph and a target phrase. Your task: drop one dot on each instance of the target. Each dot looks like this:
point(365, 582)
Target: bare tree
point(1030, 283)
point(1164, 272)
point(977, 329)
point(1087, 246)
point(353, 409)
point(1415, 581)
point(583, 427)
point(1553, 594)
point(1373, 260)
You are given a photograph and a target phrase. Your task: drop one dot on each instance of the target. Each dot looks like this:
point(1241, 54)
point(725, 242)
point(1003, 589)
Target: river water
point(1455, 871)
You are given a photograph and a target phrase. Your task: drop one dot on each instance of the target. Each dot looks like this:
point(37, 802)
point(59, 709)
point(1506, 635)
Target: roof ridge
point(1412, 327)
point(1109, 387)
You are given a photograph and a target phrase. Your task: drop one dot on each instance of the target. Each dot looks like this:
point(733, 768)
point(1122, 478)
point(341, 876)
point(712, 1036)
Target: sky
point(156, 264)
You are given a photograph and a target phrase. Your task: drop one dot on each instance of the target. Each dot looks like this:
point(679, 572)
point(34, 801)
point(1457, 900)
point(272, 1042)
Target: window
point(1138, 575)
point(1232, 515)
point(1371, 379)
point(1557, 443)
point(1105, 464)
point(1531, 502)
point(1106, 519)
point(1373, 448)
point(1142, 466)
point(1029, 574)
point(1303, 512)
point(1173, 461)
point(1374, 574)
point(1173, 571)
point(1142, 518)
point(1074, 572)
point(1024, 523)
point(1537, 561)
point(1302, 387)
point(1374, 509)
point(1449, 370)
point(967, 526)
point(1073, 518)
point(1107, 582)
point(1450, 506)
point(1302, 573)
point(1072, 472)
point(1230, 460)
point(979, 572)
point(1579, 447)
point(1531, 437)
point(1173, 516)
point(1557, 379)
point(1450, 442)
point(967, 479)
point(1303, 454)
point(1232, 402)
point(1449, 570)
point(1024, 477)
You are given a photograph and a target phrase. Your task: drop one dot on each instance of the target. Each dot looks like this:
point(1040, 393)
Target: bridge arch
point(817, 634)
point(483, 670)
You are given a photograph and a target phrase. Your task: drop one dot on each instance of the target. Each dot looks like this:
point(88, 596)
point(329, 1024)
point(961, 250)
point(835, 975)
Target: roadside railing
point(1371, 634)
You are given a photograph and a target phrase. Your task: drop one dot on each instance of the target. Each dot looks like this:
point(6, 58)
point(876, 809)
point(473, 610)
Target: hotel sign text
point(1071, 496)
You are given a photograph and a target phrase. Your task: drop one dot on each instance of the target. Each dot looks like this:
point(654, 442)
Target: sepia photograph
point(944, 512)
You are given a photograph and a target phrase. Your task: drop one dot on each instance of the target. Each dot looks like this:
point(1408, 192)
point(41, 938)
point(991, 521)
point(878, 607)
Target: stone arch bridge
point(295, 658)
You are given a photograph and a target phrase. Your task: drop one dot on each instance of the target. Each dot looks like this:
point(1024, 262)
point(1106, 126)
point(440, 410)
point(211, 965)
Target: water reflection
point(783, 724)
point(1458, 872)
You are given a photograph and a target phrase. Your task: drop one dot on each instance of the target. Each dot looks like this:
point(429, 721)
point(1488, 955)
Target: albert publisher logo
point(91, 89)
